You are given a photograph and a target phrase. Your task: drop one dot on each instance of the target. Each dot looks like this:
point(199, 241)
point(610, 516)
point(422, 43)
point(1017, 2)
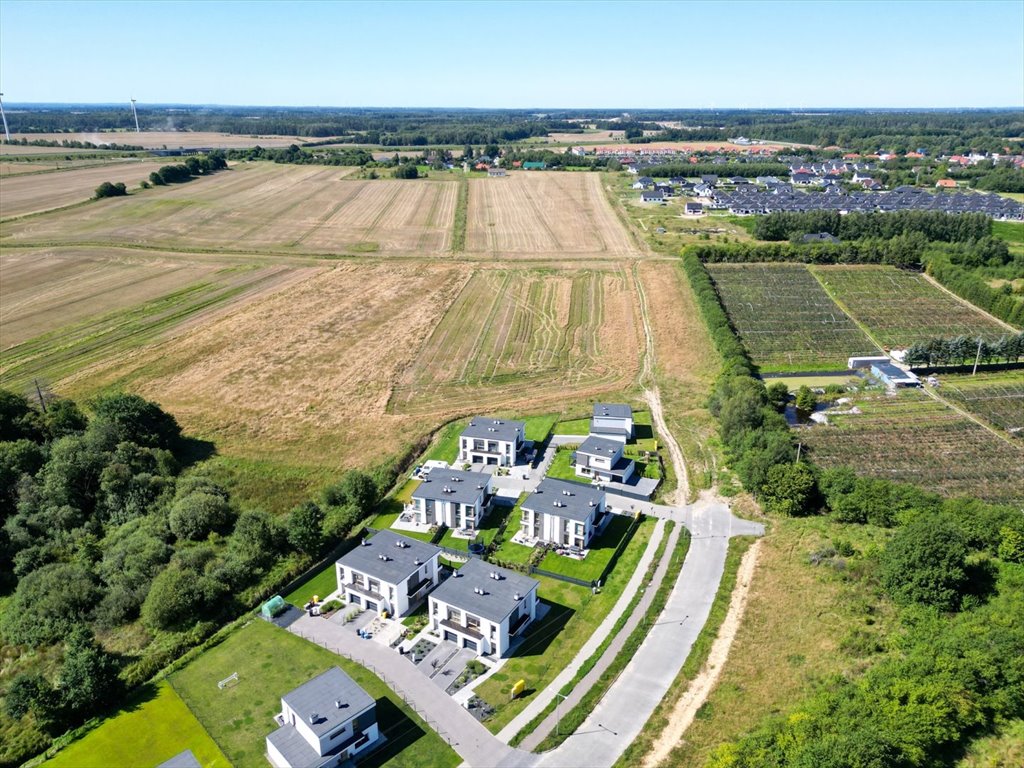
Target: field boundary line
point(968, 304)
point(842, 306)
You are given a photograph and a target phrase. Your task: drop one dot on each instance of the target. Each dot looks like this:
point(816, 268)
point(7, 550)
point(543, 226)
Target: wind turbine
point(7, 133)
point(136, 116)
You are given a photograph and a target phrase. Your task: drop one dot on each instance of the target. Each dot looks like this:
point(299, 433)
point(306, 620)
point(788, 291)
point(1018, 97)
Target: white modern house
point(483, 607)
point(613, 421)
point(324, 722)
point(496, 442)
point(388, 573)
point(562, 513)
point(601, 459)
point(452, 497)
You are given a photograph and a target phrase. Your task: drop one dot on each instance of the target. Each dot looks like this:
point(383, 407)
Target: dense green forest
point(118, 552)
point(937, 131)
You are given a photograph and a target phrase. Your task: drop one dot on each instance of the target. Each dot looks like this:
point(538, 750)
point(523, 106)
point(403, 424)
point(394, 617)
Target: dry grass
point(540, 214)
point(262, 206)
point(526, 337)
point(796, 619)
point(686, 363)
point(300, 377)
point(42, 290)
point(21, 195)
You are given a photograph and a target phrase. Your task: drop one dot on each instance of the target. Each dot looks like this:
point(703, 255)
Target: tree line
point(735, 167)
point(191, 167)
point(934, 225)
point(962, 350)
point(106, 521)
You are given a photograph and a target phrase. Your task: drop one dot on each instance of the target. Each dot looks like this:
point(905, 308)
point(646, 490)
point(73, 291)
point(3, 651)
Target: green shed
point(275, 606)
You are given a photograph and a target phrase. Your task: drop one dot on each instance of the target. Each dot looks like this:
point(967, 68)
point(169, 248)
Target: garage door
point(492, 459)
point(471, 645)
point(354, 599)
point(451, 636)
point(371, 606)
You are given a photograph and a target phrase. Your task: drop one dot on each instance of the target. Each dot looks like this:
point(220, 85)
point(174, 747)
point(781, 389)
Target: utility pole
point(39, 394)
point(977, 357)
point(7, 133)
point(136, 116)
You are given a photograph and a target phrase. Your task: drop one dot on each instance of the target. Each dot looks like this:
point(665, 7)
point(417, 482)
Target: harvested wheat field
point(524, 337)
point(264, 206)
point(164, 139)
point(540, 214)
point(299, 377)
point(22, 194)
point(42, 290)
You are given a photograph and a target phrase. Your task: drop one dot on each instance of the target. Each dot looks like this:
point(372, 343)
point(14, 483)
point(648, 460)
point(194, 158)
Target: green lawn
point(573, 427)
point(591, 567)
point(552, 643)
point(539, 427)
point(152, 727)
point(486, 532)
point(561, 465)
point(320, 584)
point(510, 552)
point(404, 494)
point(270, 662)
point(446, 445)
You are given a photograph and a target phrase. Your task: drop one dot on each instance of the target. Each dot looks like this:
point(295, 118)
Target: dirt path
point(682, 715)
point(653, 398)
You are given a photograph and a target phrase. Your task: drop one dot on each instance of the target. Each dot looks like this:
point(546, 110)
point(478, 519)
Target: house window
point(473, 622)
point(357, 578)
point(374, 586)
point(337, 733)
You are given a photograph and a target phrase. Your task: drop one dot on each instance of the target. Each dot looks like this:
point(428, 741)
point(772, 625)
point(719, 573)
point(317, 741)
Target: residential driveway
point(625, 708)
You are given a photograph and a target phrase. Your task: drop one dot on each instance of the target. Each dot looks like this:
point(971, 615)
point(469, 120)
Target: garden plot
point(785, 318)
point(899, 308)
point(913, 438)
point(998, 398)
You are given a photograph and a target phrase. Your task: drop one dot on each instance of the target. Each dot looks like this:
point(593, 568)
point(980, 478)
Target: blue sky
point(528, 54)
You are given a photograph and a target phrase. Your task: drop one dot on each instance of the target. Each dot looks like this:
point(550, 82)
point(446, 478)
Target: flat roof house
point(483, 607)
point(324, 722)
point(893, 376)
point(612, 420)
point(562, 512)
point(388, 573)
point(455, 498)
point(496, 442)
point(601, 459)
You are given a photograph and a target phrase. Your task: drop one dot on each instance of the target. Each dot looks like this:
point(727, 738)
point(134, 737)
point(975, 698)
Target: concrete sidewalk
point(545, 697)
point(532, 741)
point(624, 710)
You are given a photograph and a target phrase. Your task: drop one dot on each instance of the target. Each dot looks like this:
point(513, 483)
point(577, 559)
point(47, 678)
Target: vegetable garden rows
point(913, 438)
point(900, 308)
point(996, 397)
point(786, 319)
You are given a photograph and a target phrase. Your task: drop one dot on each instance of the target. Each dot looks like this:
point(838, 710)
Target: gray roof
point(891, 371)
point(613, 410)
point(400, 562)
point(320, 697)
point(498, 600)
point(181, 760)
point(600, 446)
point(452, 485)
point(487, 428)
point(295, 749)
point(574, 499)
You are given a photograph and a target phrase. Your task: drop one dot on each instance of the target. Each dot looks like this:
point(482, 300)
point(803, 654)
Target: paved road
point(588, 681)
